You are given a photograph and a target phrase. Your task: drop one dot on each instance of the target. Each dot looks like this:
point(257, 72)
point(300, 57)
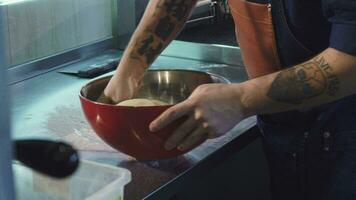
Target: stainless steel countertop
point(47, 106)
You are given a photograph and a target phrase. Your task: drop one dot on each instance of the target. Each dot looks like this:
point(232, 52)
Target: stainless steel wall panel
point(6, 178)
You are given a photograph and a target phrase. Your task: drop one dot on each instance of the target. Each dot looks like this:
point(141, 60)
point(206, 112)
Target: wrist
point(122, 87)
point(249, 99)
point(130, 68)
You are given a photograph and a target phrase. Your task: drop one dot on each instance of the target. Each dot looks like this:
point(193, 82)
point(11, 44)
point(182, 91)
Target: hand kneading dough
point(142, 103)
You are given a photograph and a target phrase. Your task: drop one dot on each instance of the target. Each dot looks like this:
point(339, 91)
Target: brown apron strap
point(256, 37)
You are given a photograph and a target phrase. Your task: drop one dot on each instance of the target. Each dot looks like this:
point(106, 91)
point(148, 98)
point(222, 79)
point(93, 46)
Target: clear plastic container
point(92, 181)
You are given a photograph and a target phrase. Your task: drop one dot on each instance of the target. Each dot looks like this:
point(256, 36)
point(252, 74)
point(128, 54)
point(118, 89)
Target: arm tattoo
point(304, 82)
point(148, 47)
point(177, 8)
point(164, 28)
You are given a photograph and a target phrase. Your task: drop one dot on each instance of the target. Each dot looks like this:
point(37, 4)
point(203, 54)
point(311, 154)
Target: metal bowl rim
point(150, 70)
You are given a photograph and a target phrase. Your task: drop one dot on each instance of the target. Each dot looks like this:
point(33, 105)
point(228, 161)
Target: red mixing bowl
point(127, 128)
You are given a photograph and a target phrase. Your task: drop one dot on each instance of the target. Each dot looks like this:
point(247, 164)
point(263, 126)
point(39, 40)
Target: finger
point(198, 135)
point(169, 116)
point(180, 133)
point(211, 133)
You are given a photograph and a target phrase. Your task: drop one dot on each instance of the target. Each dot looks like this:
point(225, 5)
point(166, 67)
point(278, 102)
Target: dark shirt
point(319, 24)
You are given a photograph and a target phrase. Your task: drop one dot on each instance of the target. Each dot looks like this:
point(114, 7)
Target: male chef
point(300, 56)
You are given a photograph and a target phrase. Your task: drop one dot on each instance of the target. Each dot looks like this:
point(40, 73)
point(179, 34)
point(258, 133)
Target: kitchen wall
point(40, 28)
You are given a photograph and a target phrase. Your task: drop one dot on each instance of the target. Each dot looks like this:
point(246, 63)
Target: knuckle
point(205, 126)
point(203, 87)
point(160, 121)
point(193, 102)
point(171, 113)
point(200, 89)
point(198, 115)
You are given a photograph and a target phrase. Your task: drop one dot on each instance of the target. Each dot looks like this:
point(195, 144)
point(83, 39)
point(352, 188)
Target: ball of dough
point(142, 103)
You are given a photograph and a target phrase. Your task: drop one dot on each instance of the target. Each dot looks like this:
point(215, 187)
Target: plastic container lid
point(92, 181)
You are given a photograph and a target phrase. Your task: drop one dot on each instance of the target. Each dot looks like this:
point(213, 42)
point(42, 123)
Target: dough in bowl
point(141, 103)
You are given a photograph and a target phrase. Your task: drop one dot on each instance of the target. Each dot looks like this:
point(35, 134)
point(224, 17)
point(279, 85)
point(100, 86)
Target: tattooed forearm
point(148, 47)
point(303, 82)
point(172, 15)
point(177, 8)
point(164, 28)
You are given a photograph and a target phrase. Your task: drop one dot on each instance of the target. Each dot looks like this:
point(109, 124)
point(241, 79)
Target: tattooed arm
point(325, 78)
point(214, 109)
point(162, 21)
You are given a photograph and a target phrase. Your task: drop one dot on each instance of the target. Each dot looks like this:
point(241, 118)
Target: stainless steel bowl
point(170, 86)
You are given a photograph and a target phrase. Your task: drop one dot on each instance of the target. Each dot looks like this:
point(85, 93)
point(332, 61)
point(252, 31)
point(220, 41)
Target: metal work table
point(47, 106)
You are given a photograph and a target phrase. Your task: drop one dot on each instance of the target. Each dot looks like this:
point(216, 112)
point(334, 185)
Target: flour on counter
point(69, 124)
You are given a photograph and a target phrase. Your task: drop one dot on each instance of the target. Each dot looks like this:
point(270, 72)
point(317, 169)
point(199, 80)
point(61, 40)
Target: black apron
point(311, 154)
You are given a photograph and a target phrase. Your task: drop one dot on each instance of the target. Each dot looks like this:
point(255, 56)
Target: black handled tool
point(55, 159)
point(92, 71)
point(97, 70)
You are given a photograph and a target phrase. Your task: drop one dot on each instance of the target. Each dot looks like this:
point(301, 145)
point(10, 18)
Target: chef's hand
point(212, 110)
point(122, 86)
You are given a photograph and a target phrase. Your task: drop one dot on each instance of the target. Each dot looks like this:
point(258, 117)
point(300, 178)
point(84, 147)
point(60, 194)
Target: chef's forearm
point(162, 21)
point(325, 78)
